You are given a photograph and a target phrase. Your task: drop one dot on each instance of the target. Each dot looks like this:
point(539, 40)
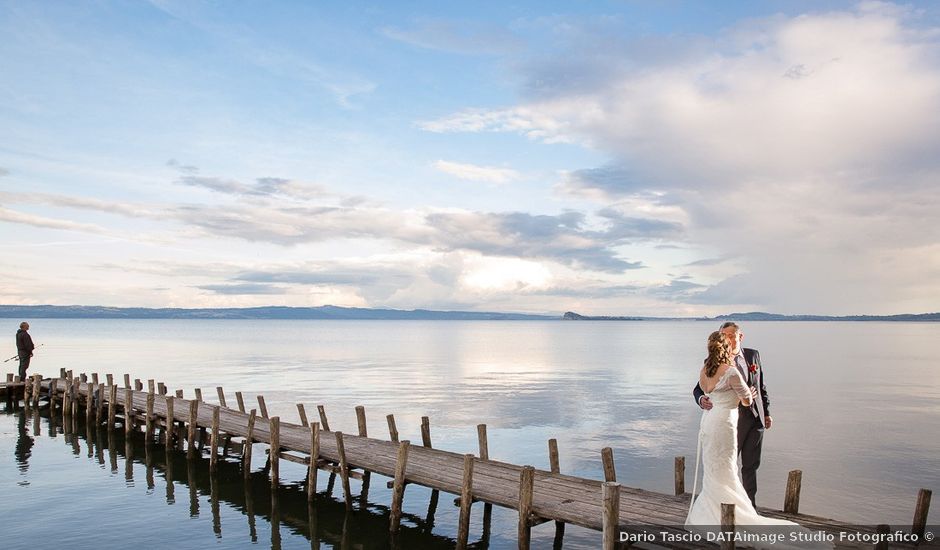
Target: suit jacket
point(760, 406)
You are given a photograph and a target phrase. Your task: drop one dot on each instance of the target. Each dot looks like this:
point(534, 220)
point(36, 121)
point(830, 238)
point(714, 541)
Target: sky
point(610, 158)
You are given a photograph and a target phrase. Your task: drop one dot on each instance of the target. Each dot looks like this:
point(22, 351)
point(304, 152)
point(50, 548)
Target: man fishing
point(24, 348)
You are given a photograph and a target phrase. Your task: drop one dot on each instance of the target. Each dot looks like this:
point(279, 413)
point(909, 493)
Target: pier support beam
point(727, 525)
point(249, 441)
point(791, 502)
point(920, 512)
point(193, 425)
point(607, 457)
point(392, 428)
point(611, 496)
point(214, 446)
point(274, 453)
point(526, 482)
point(466, 500)
point(302, 412)
point(314, 461)
point(398, 491)
point(323, 422)
point(680, 475)
point(344, 470)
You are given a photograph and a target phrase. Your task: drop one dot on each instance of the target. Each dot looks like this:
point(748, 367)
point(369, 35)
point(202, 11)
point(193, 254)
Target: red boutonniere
point(753, 368)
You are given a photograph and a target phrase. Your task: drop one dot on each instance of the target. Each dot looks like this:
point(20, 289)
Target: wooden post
point(99, 405)
point(680, 475)
point(611, 521)
point(179, 394)
point(65, 400)
point(76, 394)
point(193, 425)
point(62, 372)
point(94, 378)
point(392, 428)
point(303, 415)
point(323, 422)
point(314, 458)
point(466, 500)
point(727, 525)
point(553, 456)
point(169, 422)
point(112, 406)
point(275, 451)
point(198, 392)
point(262, 407)
point(484, 444)
point(90, 402)
point(150, 398)
point(161, 388)
point(128, 411)
point(151, 386)
point(37, 384)
point(556, 469)
point(83, 377)
point(791, 502)
point(426, 431)
point(127, 381)
point(241, 401)
point(221, 393)
point(920, 512)
point(361, 420)
point(52, 391)
point(138, 385)
point(249, 440)
point(214, 446)
point(607, 457)
point(110, 379)
point(343, 469)
point(526, 482)
point(398, 491)
point(882, 529)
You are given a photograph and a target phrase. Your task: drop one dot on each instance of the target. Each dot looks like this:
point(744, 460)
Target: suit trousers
point(750, 439)
point(24, 364)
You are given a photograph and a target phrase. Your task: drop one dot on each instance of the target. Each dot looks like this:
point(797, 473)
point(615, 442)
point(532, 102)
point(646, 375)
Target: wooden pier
point(539, 496)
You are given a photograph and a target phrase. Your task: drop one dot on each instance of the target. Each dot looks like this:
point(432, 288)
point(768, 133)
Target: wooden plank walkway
point(539, 495)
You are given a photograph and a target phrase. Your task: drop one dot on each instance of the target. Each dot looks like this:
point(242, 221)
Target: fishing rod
point(17, 356)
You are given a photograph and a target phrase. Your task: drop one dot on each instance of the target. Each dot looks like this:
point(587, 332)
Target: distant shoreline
point(363, 314)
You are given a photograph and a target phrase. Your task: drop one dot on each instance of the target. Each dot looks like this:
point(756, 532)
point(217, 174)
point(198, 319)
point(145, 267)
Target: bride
point(726, 387)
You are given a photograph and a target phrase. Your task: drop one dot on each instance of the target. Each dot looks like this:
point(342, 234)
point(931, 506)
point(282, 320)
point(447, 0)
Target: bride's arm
point(740, 388)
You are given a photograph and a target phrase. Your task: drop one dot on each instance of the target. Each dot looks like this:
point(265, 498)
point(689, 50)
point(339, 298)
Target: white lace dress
point(718, 437)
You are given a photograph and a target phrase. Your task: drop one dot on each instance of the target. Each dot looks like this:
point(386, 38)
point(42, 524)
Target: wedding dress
point(720, 482)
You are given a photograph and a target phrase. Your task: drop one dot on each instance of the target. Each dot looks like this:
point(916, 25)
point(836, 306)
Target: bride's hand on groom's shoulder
point(768, 422)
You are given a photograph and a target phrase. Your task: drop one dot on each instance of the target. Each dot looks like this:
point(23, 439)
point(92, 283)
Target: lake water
point(856, 407)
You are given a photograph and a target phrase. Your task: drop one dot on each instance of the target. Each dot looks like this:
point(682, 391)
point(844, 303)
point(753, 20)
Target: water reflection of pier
point(324, 519)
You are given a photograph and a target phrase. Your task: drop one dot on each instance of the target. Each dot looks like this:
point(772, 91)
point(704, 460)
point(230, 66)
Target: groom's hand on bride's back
point(705, 402)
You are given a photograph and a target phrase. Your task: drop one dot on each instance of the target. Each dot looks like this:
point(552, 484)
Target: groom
point(751, 420)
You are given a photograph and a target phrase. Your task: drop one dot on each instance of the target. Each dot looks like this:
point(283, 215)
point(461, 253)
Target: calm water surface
point(856, 407)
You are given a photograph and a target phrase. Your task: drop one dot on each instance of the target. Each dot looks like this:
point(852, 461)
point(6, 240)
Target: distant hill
point(321, 312)
point(761, 316)
point(357, 313)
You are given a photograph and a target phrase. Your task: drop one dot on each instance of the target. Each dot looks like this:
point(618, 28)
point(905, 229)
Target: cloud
point(4, 172)
point(804, 146)
point(241, 289)
point(473, 172)
point(13, 216)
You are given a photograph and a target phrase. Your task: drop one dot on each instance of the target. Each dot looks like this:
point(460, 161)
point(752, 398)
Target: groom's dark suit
point(750, 420)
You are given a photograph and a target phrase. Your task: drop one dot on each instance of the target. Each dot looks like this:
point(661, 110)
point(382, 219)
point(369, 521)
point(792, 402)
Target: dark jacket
point(24, 343)
point(751, 357)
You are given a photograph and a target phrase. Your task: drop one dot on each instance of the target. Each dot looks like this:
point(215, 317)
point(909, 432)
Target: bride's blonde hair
point(719, 353)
